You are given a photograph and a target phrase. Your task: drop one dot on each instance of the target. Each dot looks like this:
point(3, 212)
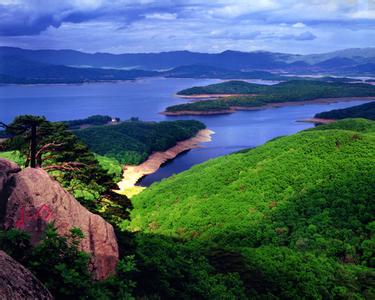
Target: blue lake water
point(145, 98)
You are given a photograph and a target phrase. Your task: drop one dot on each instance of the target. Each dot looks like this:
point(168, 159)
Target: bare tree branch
point(67, 166)
point(48, 146)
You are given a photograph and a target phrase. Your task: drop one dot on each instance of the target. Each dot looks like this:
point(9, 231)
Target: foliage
point(131, 142)
point(112, 166)
point(228, 87)
point(168, 269)
point(289, 91)
point(366, 111)
point(3, 134)
point(293, 218)
point(207, 105)
point(60, 265)
point(92, 120)
point(64, 269)
point(91, 182)
point(14, 156)
point(15, 243)
point(119, 286)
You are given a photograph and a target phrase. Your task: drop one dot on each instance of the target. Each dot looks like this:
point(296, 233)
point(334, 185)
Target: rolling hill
point(366, 111)
point(233, 60)
point(290, 219)
point(244, 95)
point(15, 69)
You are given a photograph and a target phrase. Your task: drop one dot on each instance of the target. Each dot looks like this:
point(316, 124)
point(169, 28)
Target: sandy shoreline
point(270, 105)
point(132, 174)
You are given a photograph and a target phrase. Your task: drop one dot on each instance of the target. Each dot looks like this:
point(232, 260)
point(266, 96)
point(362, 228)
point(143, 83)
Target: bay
point(146, 98)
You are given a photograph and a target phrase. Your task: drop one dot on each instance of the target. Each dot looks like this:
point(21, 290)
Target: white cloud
point(299, 25)
point(233, 9)
point(363, 14)
point(161, 16)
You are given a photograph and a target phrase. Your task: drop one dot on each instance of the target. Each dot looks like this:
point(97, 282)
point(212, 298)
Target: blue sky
point(117, 26)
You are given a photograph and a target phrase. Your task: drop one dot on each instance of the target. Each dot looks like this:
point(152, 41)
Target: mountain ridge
point(168, 59)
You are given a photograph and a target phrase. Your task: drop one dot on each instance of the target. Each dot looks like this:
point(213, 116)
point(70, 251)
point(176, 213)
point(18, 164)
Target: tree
point(27, 126)
point(61, 153)
point(42, 142)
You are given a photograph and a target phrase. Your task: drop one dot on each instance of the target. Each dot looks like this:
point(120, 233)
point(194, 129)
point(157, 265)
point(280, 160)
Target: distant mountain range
point(27, 66)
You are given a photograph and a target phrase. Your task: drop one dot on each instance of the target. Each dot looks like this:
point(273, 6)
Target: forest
point(260, 95)
point(131, 142)
point(291, 219)
point(366, 111)
point(89, 121)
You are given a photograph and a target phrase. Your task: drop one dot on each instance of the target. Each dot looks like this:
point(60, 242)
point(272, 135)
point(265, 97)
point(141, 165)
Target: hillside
point(262, 95)
point(333, 62)
point(131, 142)
point(16, 69)
point(366, 111)
point(202, 71)
point(290, 219)
point(227, 87)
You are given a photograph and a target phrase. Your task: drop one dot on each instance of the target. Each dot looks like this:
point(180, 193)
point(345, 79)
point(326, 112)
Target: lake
point(145, 98)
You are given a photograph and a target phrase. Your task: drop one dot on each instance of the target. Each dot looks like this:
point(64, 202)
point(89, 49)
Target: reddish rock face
point(35, 199)
point(18, 283)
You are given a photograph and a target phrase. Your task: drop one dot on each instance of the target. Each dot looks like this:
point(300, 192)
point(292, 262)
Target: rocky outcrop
point(31, 199)
point(18, 283)
point(7, 168)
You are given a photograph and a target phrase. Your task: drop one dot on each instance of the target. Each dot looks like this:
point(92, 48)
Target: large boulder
point(34, 199)
point(7, 168)
point(18, 283)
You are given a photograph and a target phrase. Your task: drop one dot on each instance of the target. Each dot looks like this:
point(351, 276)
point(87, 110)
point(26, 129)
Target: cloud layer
point(210, 26)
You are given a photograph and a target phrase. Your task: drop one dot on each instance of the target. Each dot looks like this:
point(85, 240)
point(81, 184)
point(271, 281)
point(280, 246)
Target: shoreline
point(267, 106)
point(114, 81)
point(317, 121)
point(209, 96)
point(198, 113)
point(132, 174)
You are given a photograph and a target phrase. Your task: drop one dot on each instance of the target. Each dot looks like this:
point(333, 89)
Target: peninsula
point(250, 96)
point(133, 173)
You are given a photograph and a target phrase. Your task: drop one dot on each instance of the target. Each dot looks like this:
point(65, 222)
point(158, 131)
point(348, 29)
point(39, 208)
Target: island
point(243, 95)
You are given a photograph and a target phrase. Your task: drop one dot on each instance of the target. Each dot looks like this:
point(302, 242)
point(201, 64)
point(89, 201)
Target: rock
point(7, 168)
point(35, 199)
point(18, 283)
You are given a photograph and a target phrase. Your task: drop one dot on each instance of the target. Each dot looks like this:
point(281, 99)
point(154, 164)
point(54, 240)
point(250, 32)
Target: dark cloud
point(31, 20)
point(24, 25)
point(153, 25)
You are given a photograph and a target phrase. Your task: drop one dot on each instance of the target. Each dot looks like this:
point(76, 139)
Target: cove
point(146, 98)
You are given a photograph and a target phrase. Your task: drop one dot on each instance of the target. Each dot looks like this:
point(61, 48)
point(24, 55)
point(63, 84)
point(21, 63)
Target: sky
point(124, 26)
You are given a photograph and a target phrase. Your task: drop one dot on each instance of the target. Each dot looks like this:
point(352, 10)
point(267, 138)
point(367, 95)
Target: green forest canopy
point(366, 111)
point(293, 218)
point(131, 142)
point(289, 91)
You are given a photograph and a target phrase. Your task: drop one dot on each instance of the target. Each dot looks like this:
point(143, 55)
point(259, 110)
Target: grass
point(14, 156)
